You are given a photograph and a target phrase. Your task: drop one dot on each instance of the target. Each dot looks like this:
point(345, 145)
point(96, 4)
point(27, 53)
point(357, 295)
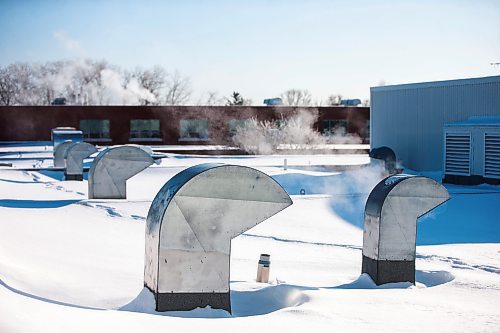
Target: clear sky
point(261, 48)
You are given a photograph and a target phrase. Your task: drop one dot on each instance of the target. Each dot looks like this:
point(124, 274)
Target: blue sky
point(261, 48)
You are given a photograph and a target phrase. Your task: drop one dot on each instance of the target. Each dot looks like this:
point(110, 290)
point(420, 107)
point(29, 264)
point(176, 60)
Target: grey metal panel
point(110, 170)
point(155, 218)
point(492, 154)
point(457, 152)
point(371, 235)
point(75, 155)
point(410, 118)
point(60, 152)
point(192, 220)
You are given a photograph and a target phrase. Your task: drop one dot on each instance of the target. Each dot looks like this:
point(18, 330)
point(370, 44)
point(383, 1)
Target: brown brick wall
point(34, 123)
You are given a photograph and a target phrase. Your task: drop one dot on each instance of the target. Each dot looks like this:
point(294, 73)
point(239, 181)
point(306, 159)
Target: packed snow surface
point(69, 264)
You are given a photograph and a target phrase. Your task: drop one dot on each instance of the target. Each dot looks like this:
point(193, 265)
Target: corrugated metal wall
point(409, 118)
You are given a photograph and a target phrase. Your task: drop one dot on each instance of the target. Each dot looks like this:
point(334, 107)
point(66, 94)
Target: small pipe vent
point(492, 155)
point(458, 154)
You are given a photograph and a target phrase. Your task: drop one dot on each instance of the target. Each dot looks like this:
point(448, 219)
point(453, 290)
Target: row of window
point(190, 129)
point(145, 129)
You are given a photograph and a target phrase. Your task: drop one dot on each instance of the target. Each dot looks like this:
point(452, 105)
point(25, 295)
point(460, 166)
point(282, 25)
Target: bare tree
point(79, 81)
point(318, 102)
point(334, 99)
point(8, 86)
point(23, 85)
point(90, 82)
point(25, 76)
point(211, 98)
point(178, 89)
point(86, 85)
point(154, 80)
point(235, 99)
point(45, 86)
point(297, 97)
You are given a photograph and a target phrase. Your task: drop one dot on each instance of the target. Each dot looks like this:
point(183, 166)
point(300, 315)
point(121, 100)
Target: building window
point(145, 129)
point(234, 124)
point(335, 126)
point(95, 128)
point(193, 129)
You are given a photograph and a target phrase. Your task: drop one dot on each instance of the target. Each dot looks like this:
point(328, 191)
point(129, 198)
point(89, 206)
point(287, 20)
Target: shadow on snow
point(14, 203)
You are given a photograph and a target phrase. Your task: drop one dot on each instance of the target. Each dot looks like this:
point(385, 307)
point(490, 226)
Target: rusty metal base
point(387, 271)
point(190, 301)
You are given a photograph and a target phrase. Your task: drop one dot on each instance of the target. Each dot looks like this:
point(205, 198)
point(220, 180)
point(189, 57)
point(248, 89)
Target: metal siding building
point(409, 118)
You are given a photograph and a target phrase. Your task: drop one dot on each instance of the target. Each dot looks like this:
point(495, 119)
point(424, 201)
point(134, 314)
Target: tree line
point(97, 82)
point(90, 82)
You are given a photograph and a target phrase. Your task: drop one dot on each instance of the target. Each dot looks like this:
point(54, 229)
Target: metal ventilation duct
point(390, 229)
point(110, 170)
point(387, 155)
point(60, 152)
point(189, 229)
point(74, 157)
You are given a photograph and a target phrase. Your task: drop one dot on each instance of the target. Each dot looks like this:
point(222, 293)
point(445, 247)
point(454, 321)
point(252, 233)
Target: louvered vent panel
point(458, 156)
point(492, 155)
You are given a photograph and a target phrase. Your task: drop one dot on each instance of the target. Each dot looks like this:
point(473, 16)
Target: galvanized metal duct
point(110, 170)
point(60, 152)
point(390, 229)
point(74, 157)
point(189, 229)
point(387, 155)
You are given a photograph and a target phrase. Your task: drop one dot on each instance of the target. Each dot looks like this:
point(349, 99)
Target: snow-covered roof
point(486, 120)
point(65, 132)
point(315, 247)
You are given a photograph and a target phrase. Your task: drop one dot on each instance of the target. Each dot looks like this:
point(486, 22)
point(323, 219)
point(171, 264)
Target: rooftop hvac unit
point(492, 155)
point(62, 134)
point(457, 153)
point(472, 151)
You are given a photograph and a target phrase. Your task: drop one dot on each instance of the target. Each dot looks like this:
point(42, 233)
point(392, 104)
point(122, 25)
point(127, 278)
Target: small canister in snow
point(263, 268)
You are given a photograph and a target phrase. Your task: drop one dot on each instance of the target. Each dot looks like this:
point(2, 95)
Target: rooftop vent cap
point(387, 155)
point(189, 229)
point(273, 101)
point(390, 228)
point(350, 102)
point(59, 101)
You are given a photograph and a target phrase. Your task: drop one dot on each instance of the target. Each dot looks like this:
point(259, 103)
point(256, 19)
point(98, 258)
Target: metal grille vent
point(458, 156)
point(492, 155)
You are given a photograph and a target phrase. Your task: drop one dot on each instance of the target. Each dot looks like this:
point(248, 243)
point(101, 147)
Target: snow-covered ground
point(69, 264)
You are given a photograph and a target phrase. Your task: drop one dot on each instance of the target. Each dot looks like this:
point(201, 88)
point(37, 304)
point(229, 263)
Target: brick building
point(163, 125)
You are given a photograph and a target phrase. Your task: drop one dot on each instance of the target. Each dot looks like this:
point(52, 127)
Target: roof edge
point(433, 84)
